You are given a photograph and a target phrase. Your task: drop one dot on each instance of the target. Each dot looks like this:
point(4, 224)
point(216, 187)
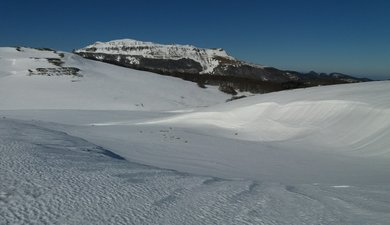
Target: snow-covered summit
point(207, 57)
point(150, 48)
point(188, 61)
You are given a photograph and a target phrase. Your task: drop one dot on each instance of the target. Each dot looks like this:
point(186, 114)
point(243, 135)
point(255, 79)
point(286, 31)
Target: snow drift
point(352, 118)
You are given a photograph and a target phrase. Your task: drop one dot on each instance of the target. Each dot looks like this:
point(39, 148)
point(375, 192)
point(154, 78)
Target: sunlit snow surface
point(88, 152)
point(49, 177)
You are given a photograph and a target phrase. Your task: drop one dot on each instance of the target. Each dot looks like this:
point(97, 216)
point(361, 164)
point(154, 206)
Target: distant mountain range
point(205, 66)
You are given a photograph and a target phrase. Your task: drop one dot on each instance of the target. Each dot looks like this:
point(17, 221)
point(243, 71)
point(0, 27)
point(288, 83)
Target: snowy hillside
point(88, 142)
point(96, 86)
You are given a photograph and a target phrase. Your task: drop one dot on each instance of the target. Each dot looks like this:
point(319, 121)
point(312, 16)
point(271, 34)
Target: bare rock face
point(61, 71)
point(164, 66)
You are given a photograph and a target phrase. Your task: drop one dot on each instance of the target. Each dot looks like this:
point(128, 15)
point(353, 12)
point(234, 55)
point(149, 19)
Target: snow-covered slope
point(322, 134)
point(96, 86)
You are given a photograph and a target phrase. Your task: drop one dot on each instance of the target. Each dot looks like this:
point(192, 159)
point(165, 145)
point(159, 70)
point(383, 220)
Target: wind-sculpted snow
point(49, 177)
point(328, 123)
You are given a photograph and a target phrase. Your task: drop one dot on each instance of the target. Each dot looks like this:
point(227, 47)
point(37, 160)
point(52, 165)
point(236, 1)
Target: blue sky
point(345, 36)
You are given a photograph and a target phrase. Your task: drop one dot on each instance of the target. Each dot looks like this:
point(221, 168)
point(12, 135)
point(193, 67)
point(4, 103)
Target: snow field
point(308, 156)
point(49, 177)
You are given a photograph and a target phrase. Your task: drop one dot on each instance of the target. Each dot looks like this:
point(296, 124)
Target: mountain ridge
point(186, 60)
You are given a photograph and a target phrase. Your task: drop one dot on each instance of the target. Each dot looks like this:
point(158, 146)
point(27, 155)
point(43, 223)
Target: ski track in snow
point(49, 177)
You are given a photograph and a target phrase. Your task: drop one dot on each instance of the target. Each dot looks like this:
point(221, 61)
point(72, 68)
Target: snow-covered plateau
point(103, 144)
